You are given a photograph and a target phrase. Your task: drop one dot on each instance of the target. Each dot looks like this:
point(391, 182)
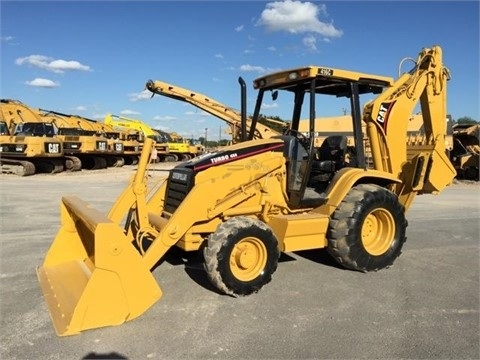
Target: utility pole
point(206, 129)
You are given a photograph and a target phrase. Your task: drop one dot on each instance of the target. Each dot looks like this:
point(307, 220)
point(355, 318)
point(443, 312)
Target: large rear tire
point(367, 231)
point(241, 256)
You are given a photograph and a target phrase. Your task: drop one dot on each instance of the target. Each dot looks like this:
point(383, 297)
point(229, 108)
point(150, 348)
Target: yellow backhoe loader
point(28, 145)
point(245, 204)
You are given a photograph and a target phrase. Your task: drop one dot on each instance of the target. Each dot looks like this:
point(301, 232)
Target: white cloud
point(6, 38)
point(310, 42)
point(252, 68)
point(272, 48)
point(45, 83)
point(98, 116)
point(239, 28)
point(129, 112)
point(164, 118)
point(144, 95)
point(219, 56)
point(248, 51)
point(57, 66)
point(258, 69)
point(80, 108)
point(269, 106)
point(297, 17)
point(200, 113)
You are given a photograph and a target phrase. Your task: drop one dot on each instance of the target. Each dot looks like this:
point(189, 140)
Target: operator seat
point(331, 158)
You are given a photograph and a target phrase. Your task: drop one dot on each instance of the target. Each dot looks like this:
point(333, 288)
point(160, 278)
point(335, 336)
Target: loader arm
point(421, 166)
point(231, 116)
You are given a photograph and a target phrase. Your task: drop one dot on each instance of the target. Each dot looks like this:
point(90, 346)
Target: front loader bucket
point(92, 275)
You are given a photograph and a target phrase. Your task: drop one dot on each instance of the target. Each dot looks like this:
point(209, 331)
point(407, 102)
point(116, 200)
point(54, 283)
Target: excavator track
point(18, 167)
point(73, 163)
point(50, 166)
point(92, 162)
point(120, 161)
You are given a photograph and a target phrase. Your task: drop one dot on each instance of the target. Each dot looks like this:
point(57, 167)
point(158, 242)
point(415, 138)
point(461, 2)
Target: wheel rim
point(378, 232)
point(248, 259)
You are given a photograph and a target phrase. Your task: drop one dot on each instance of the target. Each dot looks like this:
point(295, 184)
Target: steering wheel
point(304, 141)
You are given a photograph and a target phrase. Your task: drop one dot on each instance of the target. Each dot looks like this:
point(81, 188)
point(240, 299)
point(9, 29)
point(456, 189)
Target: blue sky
point(94, 58)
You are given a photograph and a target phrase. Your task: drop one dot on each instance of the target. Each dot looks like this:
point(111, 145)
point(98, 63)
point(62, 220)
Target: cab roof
point(329, 81)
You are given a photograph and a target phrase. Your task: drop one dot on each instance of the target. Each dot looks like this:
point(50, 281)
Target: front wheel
point(241, 256)
point(367, 230)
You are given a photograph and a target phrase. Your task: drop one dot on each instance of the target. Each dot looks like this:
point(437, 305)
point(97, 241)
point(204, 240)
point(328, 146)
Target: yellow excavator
point(231, 116)
point(177, 150)
point(161, 146)
point(81, 143)
point(245, 204)
point(189, 148)
point(130, 143)
point(28, 145)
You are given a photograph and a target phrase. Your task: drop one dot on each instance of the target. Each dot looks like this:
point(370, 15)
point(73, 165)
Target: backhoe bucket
point(92, 275)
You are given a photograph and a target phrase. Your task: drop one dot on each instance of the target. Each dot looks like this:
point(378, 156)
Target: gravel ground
point(424, 307)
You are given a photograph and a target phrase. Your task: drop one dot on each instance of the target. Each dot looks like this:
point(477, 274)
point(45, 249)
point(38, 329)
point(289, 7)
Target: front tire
point(241, 256)
point(367, 230)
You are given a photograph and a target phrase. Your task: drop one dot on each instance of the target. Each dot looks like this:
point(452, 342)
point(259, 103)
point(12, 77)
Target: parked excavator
point(125, 144)
point(167, 148)
point(199, 149)
point(83, 144)
point(27, 144)
point(245, 204)
point(188, 147)
point(231, 116)
point(465, 154)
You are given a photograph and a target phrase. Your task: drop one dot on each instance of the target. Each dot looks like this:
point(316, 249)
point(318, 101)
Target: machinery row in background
point(44, 141)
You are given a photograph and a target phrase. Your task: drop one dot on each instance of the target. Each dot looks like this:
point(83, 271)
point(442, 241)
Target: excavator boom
point(231, 116)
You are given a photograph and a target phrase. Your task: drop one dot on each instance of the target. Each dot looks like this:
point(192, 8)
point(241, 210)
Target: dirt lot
point(425, 307)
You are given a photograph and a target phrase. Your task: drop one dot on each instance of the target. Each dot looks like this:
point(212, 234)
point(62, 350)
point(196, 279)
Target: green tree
point(278, 125)
point(466, 120)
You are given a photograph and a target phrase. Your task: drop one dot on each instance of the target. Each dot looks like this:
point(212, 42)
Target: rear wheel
point(367, 231)
point(241, 256)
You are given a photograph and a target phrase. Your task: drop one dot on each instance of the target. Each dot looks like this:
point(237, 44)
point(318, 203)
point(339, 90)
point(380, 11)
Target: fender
point(347, 178)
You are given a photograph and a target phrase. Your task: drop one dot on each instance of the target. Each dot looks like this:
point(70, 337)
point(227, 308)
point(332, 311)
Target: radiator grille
point(180, 182)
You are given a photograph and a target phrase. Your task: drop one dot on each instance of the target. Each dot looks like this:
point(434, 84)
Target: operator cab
point(311, 169)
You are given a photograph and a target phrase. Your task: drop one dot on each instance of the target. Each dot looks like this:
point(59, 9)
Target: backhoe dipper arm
point(231, 116)
point(387, 120)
